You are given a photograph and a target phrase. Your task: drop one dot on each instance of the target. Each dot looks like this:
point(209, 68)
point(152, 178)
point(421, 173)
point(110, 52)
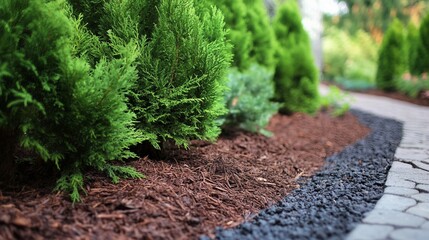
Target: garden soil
point(188, 194)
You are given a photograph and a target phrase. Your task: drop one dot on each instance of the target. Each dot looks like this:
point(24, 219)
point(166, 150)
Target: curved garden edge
point(313, 223)
point(190, 194)
point(334, 200)
point(401, 213)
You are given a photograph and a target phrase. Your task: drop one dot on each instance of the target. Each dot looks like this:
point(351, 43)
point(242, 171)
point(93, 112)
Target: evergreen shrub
point(235, 14)
point(413, 44)
point(249, 102)
point(249, 98)
point(56, 105)
point(422, 62)
point(263, 38)
point(181, 67)
point(392, 59)
point(183, 75)
point(296, 77)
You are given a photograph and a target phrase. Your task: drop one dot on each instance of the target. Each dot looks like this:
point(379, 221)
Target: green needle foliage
point(181, 66)
point(263, 38)
point(392, 60)
point(249, 98)
point(181, 88)
point(235, 13)
point(54, 103)
point(422, 63)
point(296, 77)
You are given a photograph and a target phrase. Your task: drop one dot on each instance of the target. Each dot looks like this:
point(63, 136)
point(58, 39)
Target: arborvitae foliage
point(55, 104)
point(91, 10)
point(263, 38)
point(118, 16)
point(392, 58)
point(422, 64)
point(413, 42)
point(296, 77)
point(180, 91)
point(249, 98)
point(178, 95)
point(235, 13)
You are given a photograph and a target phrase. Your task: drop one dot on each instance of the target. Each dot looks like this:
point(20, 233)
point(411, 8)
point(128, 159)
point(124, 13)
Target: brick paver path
point(403, 211)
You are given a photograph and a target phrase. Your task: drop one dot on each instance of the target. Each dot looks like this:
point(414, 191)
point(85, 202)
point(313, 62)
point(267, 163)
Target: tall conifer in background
point(235, 13)
point(54, 103)
point(262, 34)
point(392, 60)
point(422, 64)
point(248, 101)
point(413, 44)
point(296, 78)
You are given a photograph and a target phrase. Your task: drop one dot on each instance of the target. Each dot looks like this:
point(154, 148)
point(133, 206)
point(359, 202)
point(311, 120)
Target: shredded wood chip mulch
point(186, 195)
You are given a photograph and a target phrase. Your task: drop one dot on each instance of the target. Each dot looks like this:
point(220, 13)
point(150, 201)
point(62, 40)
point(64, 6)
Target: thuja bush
point(235, 14)
point(263, 38)
point(422, 63)
point(413, 44)
point(54, 104)
point(181, 67)
point(392, 59)
point(249, 98)
point(296, 78)
point(250, 87)
point(183, 75)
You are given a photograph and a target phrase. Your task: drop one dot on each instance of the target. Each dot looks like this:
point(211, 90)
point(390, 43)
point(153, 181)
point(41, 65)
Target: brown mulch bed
point(189, 194)
point(420, 100)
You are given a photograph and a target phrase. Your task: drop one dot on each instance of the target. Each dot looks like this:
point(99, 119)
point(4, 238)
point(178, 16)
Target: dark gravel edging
point(331, 203)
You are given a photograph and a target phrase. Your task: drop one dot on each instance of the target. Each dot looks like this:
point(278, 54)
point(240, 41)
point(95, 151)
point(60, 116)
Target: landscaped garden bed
point(187, 194)
point(330, 204)
point(166, 119)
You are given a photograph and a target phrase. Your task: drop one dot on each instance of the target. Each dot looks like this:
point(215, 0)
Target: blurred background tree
point(355, 45)
point(374, 16)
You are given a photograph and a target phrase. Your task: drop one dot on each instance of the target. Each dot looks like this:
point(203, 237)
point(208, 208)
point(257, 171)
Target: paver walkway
point(403, 211)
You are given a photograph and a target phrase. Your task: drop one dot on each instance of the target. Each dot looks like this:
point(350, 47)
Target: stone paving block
point(410, 234)
point(414, 145)
point(395, 180)
point(394, 218)
point(412, 154)
point(415, 135)
point(416, 141)
point(414, 175)
point(422, 197)
point(406, 170)
point(370, 232)
point(422, 165)
point(423, 187)
point(393, 202)
point(407, 192)
point(399, 166)
point(421, 210)
point(417, 126)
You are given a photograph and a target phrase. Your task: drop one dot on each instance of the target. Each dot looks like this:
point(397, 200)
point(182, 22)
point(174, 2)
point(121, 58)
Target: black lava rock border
point(331, 203)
